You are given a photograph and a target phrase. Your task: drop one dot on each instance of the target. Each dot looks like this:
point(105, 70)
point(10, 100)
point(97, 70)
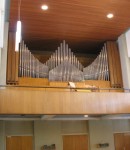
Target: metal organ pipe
point(29, 66)
point(67, 68)
point(62, 65)
point(98, 69)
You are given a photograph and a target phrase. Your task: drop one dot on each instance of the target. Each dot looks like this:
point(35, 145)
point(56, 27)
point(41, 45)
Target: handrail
point(74, 89)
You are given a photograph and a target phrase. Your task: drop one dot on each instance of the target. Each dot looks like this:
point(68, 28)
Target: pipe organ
point(64, 66)
point(61, 66)
point(29, 66)
point(61, 55)
point(98, 69)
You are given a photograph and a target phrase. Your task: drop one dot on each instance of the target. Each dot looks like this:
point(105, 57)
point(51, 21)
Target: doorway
point(19, 143)
point(75, 142)
point(122, 141)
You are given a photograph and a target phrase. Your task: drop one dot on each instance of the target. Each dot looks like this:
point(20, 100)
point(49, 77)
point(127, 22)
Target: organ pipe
point(29, 66)
point(98, 69)
point(62, 65)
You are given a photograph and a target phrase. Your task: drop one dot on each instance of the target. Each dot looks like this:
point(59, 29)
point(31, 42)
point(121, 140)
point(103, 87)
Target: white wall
point(2, 18)
point(3, 51)
point(2, 135)
point(44, 132)
point(3, 54)
point(74, 127)
point(50, 132)
point(125, 61)
point(47, 133)
point(103, 132)
point(18, 128)
point(121, 126)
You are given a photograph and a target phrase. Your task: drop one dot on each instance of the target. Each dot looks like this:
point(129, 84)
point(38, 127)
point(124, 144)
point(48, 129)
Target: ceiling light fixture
point(110, 15)
point(44, 7)
point(18, 29)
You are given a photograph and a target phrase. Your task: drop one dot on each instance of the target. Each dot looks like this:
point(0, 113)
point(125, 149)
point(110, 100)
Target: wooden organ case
point(24, 69)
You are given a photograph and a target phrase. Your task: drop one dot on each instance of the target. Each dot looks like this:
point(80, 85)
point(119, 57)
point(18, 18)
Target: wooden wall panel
point(97, 83)
point(16, 66)
point(118, 67)
point(12, 62)
point(19, 143)
point(41, 82)
point(122, 141)
point(27, 143)
point(33, 81)
point(42, 101)
point(114, 65)
point(75, 142)
point(127, 141)
point(9, 70)
point(13, 143)
point(119, 141)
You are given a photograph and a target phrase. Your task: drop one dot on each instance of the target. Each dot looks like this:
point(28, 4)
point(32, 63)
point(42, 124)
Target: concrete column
point(101, 132)
point(3, 51)
point(125, 61)
point(4, 57)
point(0, 58)
point(2, 135)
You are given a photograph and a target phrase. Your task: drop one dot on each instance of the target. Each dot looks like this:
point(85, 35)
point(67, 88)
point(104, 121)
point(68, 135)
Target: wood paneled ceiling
point(82, 23)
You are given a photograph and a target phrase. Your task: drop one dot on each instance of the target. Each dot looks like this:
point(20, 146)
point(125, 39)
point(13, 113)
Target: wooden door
point(122, 141)
point(19, 143)
point(75, 142)
point(119, 141)
point(127, 141)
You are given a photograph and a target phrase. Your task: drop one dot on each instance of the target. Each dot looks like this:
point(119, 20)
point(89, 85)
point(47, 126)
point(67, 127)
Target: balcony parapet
point(61, 100)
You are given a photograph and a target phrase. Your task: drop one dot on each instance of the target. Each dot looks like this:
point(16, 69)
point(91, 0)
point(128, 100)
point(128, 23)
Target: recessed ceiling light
point(44, 7)
point(110, 15)
point(86, 116)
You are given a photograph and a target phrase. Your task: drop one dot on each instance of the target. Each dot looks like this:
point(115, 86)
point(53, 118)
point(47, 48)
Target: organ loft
point(35, 83)
point(62, 83)
point(62, 66)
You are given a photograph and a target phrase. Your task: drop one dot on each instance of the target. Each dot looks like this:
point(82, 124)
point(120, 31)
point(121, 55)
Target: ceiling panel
point(83, 24)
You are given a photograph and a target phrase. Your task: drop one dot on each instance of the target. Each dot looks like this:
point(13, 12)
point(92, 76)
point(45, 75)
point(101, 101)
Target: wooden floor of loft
point(96, 85)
